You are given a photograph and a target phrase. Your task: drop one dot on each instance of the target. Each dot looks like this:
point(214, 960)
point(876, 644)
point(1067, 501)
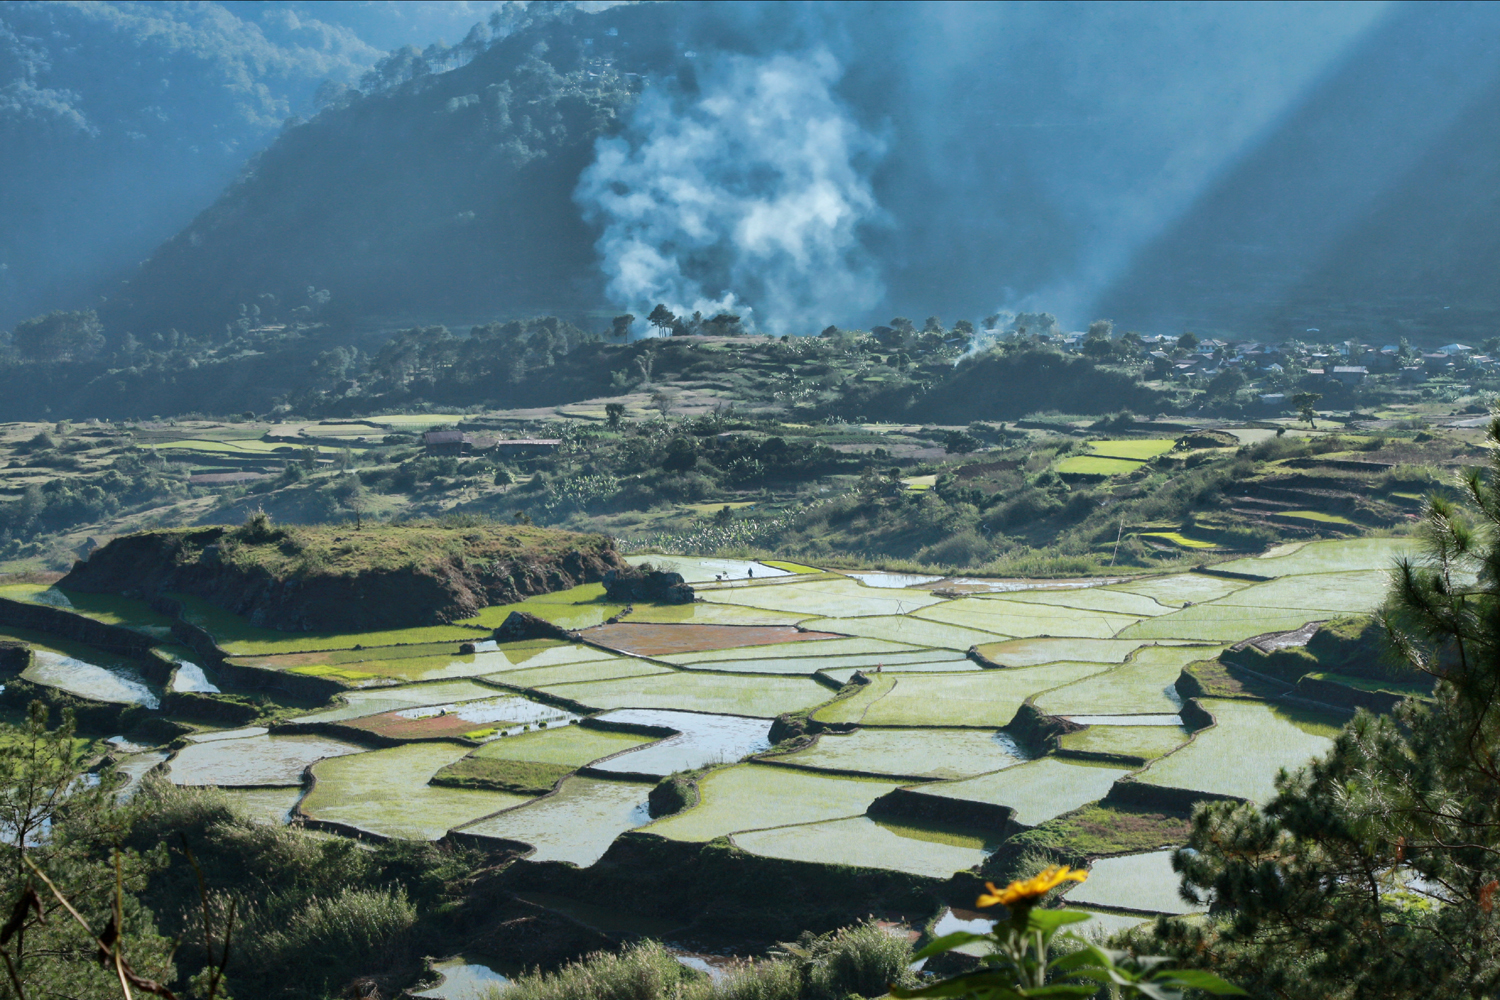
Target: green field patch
point(1096, 465)
point(517, 777)
point(569, 746)
point(578, 607)
point(853, 706)
point(953, 666)
point(1007, 617)
point(387, 792)
point(244, 447)
point(1334, 556)
point(111, 609)
point(588, 670)
point(455, 665)
point(704, 613)
point(920, 482)
point(755, 796)
point(869, 843)
point(1358, 592)
point(272, 806)
point(346, 675)
point(1093, 599)
point(1134, 882)
point(514, 653)
point(1181, 588)
point(1241, 754)
point(576, 824)
point(817, 649)
point(1100, 828)
point(416, 421)
point(237, 636)
point(905, 630)
point(1038, 790)
point(1138, 449)
point(1222, 623)
point(359, 704)
point(792, 567)
point(765, 695)
point(1137, 687)
point(1148, 742)
point(843, 598)
point(1032, 652)
point(1314, 515)
point(1178, 539)
point(988, 699)
point(253, 760)
point(918, 753)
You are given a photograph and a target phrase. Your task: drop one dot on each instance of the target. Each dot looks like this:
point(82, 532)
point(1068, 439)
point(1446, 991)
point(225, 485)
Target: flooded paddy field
point(970, 699)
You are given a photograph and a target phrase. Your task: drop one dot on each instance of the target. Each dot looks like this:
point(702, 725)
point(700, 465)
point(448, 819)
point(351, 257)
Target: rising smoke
point(751, 193)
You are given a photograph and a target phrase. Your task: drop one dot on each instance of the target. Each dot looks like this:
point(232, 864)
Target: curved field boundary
point(72, 625)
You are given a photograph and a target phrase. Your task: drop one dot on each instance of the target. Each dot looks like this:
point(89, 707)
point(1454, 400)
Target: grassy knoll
point(518, 777)
point(1098, 828)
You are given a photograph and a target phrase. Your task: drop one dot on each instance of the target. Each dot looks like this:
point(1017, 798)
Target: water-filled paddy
point(1133, 741)
point(917, 753)
point(906, 630)
point(892, 581)
point(386, 792)
point(112, 683)
point(823, 647)
point(645, 639)
point(832, 598)
point(463, 980)
point(988, 699)
point(705, 613)
point(578, 607)
point(571, 746)
point(1095, 599)
point(1037, 791)
point(378, 700)
point(1138, 686)
point(1142, 882)
point(929, 659)
point(190, 677)
point(1175, 591)
point(586, 670)
point(756, 796)
point(1240, 755)
point(1032, 652)
point(254, 760)
point(575, 824)
point(110, 609)
point(765, 695)
point(1222, 623)
point(868, 843)
point(1358, 592)
point(700, 740)
point(1326, 557)
point(1004, 615)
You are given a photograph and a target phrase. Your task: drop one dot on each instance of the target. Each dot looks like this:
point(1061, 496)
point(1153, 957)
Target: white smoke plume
point(748, 197)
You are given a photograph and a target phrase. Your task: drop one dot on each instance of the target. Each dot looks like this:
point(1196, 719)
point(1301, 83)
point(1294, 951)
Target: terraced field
point(396, 733)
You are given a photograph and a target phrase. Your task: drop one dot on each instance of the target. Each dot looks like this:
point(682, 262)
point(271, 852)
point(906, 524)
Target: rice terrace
point(927, 728)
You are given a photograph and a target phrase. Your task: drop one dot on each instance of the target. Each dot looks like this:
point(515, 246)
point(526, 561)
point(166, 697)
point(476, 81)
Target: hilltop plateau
point(333, 577)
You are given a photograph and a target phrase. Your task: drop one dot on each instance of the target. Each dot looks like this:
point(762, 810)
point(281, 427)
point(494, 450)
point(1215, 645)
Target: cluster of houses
point(467, 444)
point(1347, 364)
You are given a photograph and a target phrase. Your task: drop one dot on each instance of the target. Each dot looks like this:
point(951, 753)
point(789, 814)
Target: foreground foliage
point(1373, 872)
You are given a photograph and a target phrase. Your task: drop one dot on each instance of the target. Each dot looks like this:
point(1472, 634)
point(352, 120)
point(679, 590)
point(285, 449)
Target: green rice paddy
point(1002, 615)
point(839, 598)
point(588, 670)
point(904, 630)
point(238, 637)
point(1096, 465)
point(868, 843)
point(358, 704)
point(385, 792)
point(1240, 755)
point(1141, 882)
point(1223, 623)
point(763, 695)
point(1095, 599)
point(1133, 741)
point(1133, 688)
point(988, 699)
point(1032, 652)
point(910, 753)
point(573, 746)
point(1138, 449)
point(1326, 557)
point(756, 796)
point(809, 648)
point(1178, 539)
point(576, 824)
point(1175, 591)
point(1038, 791)
point(1356, 592)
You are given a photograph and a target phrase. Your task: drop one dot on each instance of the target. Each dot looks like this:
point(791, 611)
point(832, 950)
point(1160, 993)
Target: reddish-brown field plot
point(398, 727)
point(646, 639)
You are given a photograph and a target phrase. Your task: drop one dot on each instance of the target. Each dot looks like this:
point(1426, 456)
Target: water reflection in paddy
point(701, 739)
point(120, 685)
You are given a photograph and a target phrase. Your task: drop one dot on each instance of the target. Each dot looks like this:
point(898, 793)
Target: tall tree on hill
point(1374, 872)
point(662, 318)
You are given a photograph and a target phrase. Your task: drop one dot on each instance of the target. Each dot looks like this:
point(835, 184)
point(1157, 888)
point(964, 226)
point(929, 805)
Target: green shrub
point(645, 971)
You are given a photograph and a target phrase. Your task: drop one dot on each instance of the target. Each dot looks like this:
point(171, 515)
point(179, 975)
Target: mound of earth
point(330, 578)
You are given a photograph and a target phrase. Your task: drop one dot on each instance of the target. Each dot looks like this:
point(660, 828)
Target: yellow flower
point(1030, 890)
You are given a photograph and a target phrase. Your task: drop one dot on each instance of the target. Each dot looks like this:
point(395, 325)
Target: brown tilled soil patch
point(664, 639)
point(396, 727)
